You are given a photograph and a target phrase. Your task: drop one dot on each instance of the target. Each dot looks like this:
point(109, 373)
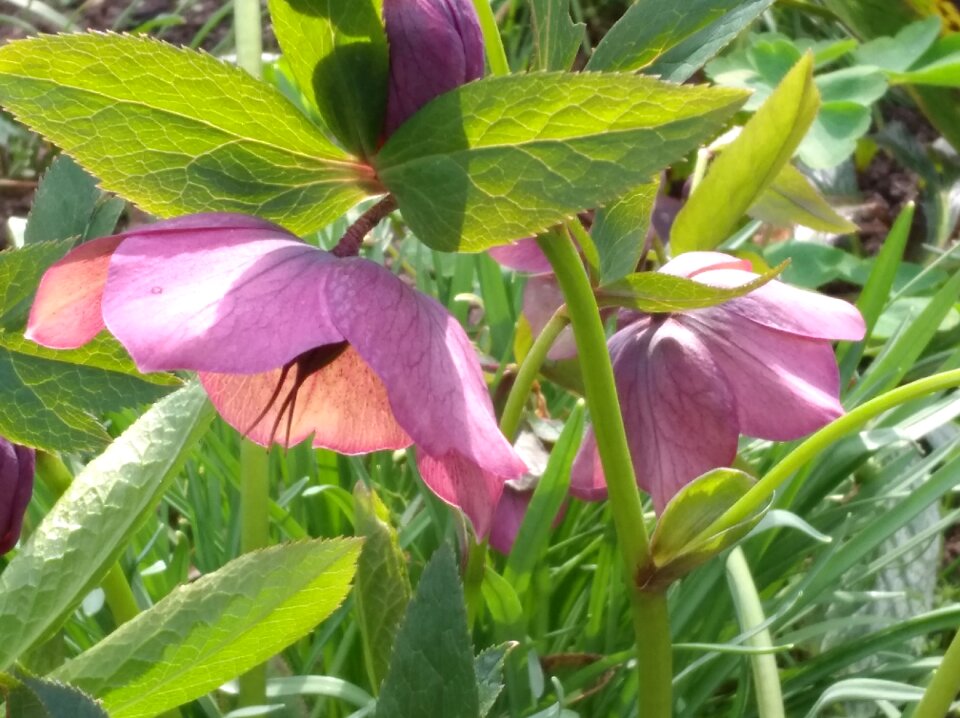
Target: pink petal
point(343, 406)
point(586, 474)
point(427, 364)
point(541, 299)
point(690, 264)
point(460, 482)
point(788, 309)
point(678, 411)
point(786, 386)
point(66, 312)
point(524, 255)
point(231, 300)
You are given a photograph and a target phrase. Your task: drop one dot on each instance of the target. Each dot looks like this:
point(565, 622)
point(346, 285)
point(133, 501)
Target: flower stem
point(116, 589)
point(650, 616)
point(944, 685)
point(529, 369)
point(493, 43)
point(248, 31)
point(254, 534)
point(757, 496)
point(351, 241)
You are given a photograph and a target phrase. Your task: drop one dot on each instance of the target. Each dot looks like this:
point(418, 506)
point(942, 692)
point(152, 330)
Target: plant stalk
point(248, 34)
point(650, 615)
point(944, 686)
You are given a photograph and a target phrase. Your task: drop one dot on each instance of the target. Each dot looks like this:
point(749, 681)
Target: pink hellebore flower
point(16, 487)
point(690, 383)
point(290, 341)
point(435, 46)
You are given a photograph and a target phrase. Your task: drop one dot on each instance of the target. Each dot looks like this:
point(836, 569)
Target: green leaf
point(337, 50)
point(792, 199)
point(620, 231)
point(678, 544)
point(489, 666)
point(88, 527)
point(899, 53)
point(177, 131)
point(432, 668)
point(20, 272)
point(214, 629)
point(49, 399)
point(383, 588)
point(507, 157)
point(38, 698)
point(673, 40)
point(68, 205)
point(556, 38)
point(833, 136)
point(502, 601)
point(658, 293)
point(749, 164)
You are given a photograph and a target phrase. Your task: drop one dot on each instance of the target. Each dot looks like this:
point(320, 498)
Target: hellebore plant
point(290, 342)
point(16, 487)
point(691, 382)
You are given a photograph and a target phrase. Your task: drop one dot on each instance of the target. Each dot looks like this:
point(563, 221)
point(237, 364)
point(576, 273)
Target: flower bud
point(435, 46)
point(16, 487)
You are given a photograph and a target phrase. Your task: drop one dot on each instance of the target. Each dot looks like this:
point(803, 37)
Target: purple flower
point(690, 383)
point(16, 486)
point(290, 342)
point(435, 46)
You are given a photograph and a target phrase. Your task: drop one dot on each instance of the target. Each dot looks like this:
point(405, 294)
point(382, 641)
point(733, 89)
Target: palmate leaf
point(337, 50)
point(212, 630)
point(82, 535)
point(507, 157)
point(177, 131)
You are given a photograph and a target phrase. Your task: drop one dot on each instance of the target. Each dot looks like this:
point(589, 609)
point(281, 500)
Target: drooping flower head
point(690, 383)
point(290, 342)
point(16, 487)
point(435, 46)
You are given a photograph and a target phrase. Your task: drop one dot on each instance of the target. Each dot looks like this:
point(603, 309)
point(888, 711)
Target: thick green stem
point(254, 535)
point(493, 43)
point(750, 610)
point(529, 369)
point(651, 620)
point(248, 32)
point(757, 496)
point(944, 686)
point(116, 589)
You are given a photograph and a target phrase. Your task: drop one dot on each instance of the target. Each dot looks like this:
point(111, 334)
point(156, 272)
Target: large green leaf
point(556, 38)
point(383, 588)
point(620, 231)
point(85, 531)
point(337, 50)
point(432, 669)
point(673, 40)
point(38, 698)
point(68, 204)
point(51, 399)
point(750, 164)
point(214, 629)
point(20, 272)
point(177, 131)
point(507, 157)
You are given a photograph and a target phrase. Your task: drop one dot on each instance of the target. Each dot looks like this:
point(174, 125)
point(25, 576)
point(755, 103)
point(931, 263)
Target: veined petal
point(66, 312)
point(524, 255)
point(788, 309)
point(460, 482)
point(690, 264)
point(507, 518)
point(541, 299)
point(679, 413)
point(427, 364)
point(785, 385)
point(230, 300)
point(343, 406)
point(586, 475)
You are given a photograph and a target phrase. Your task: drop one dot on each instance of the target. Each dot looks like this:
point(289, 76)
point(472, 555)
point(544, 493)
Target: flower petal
point(524, 255)
point(586, 475)
point(690, 264)
point(227, 300)
point(788, 309)
point(541, 299)
point(678, 411)
point(66, 312)
point(507, 518)
point(427, 364)
point(16, 488)
point(460, 482)
point(343, 406)
point(786, 386)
